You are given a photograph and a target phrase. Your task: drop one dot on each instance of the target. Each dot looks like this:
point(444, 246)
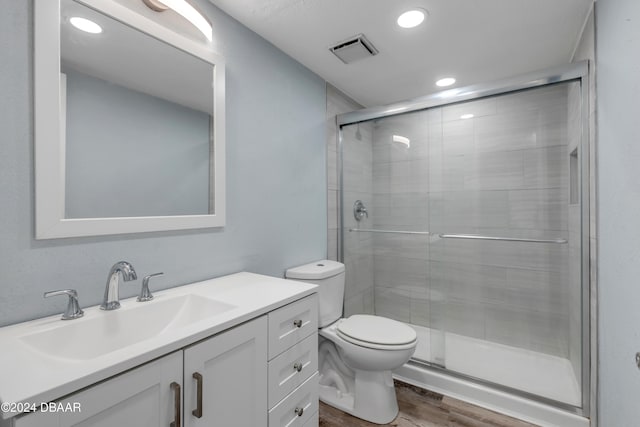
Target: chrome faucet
point(111, 295)
point(145, 293)
point(73, 310)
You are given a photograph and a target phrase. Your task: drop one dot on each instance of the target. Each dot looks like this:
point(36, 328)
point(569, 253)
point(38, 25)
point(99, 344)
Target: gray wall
point(500, 173)
point(618, 63)
point(156, 151)
point(276, 181)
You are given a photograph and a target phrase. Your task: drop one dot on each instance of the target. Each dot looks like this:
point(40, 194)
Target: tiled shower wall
point(337, 103)
point(504, 172)
point(358, 185)
point(400, 190)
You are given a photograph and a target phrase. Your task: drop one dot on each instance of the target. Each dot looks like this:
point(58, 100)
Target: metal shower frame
point(578, 72)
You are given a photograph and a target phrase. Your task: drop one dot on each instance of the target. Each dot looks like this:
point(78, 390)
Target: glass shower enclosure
point(475, 230)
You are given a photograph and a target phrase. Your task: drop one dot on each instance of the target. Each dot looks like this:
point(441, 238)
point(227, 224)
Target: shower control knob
point(359, 210)
point(297, 323)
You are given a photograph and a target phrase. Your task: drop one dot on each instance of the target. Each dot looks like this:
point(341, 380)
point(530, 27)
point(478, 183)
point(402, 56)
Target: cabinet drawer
point(298, 408)
point(292, 368)
point(313, 421)
point(292, 323)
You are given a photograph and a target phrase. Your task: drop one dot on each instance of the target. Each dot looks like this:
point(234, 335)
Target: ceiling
point(132, 59)
point(474, 41)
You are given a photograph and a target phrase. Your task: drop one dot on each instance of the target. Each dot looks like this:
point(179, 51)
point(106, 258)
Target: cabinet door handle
point(299, 411)
point(198, 411)
point(176, 389)
point(297, 366)
point(297, 323)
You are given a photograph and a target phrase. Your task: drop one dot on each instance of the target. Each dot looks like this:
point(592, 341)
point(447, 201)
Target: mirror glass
point(137, 122)
point(129, 121)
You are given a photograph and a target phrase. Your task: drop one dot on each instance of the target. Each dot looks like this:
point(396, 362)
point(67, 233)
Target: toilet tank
point(329, 276)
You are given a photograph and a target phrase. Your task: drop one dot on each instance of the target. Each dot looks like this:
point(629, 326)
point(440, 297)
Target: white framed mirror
point(129, 123)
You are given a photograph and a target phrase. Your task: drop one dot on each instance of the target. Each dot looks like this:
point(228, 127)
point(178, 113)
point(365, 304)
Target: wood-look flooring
point(423, 408)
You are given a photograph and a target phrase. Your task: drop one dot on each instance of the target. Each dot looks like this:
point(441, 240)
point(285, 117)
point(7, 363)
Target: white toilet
point(356, 354)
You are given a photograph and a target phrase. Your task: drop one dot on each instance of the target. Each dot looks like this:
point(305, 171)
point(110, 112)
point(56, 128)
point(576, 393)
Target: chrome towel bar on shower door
point(502, 239)
point(462, 236)
point(371, 230)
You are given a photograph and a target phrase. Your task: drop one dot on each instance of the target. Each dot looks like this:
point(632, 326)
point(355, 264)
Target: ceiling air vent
point(353, 49)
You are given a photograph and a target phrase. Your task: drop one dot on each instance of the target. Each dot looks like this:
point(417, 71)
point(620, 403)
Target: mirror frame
point(50, 147)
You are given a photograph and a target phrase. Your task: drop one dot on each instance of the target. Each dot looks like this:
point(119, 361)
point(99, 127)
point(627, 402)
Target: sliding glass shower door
point(500, 252)
point(473, 235)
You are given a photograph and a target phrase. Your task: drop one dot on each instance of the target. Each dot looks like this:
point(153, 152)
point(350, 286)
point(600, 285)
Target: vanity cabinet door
point(225, 378)
point(142, 397)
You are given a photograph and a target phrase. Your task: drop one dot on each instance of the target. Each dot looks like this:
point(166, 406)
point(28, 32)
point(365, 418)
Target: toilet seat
point(376, 332)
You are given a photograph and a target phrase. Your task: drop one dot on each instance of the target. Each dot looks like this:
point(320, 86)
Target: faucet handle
point(145, 293)
point(73, 310)
point(359, 210)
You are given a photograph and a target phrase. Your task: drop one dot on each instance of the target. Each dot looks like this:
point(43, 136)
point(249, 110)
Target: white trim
point(48, 132)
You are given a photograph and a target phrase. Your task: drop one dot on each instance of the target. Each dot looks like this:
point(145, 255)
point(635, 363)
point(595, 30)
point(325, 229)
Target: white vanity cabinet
point(225, 378)
point(293, 364)
point(219, 381)
point(142, 397)
point(260, 373)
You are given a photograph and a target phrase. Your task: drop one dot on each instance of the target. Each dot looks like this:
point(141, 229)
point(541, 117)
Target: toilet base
point(373, 398)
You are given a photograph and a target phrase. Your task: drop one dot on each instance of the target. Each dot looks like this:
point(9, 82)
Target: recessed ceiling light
point(401, 139)
point(447, 81)
point(411, 18)
point(85, 25)
point(466, 116)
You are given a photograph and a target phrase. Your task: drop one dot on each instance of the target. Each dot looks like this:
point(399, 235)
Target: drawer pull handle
point(198, 411)
point(297, 323)
point(299, 411)
point(176, 420)
point(298, 366)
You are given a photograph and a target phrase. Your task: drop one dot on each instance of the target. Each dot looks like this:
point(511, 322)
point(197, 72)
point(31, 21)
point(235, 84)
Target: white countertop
point(27, 375)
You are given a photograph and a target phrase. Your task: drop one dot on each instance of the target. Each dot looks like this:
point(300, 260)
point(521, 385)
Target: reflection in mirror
point(129, 122)
point(137, 132)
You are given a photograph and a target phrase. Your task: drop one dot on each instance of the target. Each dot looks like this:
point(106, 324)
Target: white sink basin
point(106, 331)
point(57, 358)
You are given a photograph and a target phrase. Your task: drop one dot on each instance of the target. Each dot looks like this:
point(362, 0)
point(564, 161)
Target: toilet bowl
point(387, 345)
point(370, 393)
point(358, 353)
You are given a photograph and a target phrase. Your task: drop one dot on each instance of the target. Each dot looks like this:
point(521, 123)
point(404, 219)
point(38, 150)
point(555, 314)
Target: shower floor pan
point(551, 377)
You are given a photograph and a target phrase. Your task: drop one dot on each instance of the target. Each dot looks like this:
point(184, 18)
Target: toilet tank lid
point(316, 270)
